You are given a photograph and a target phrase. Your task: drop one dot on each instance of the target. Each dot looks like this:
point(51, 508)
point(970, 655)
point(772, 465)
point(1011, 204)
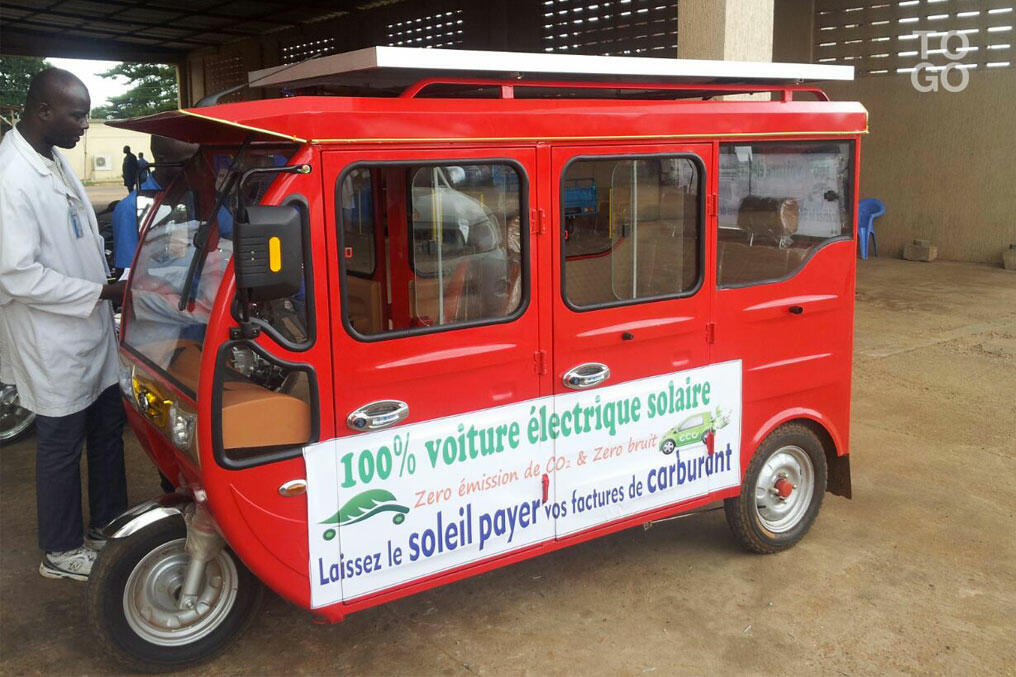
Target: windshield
point(154, 326)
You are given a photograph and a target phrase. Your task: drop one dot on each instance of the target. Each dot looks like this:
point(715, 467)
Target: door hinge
point(540, 362)
point(710, 332)
point(537, 222)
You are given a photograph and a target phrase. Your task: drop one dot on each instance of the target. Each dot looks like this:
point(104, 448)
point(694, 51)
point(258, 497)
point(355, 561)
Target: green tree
point(15, 74)
point(153, 89)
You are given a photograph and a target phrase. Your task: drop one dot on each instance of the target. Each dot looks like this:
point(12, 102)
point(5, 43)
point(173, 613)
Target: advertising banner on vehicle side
point(392, 506)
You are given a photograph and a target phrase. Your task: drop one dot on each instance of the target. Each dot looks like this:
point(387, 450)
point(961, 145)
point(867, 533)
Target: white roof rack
point(394, 67)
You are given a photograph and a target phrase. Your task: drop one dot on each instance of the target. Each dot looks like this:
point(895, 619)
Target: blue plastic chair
point(868, 210)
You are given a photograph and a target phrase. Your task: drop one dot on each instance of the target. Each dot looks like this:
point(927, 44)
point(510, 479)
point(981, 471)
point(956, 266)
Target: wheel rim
point(150, 596)
point(14, 419)
point(784, 489)
point(668, 446)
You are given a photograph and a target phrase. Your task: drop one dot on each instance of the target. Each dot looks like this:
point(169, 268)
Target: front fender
point(144, 514)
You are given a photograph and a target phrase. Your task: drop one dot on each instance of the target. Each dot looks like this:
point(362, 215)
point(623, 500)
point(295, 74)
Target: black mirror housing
point(268, 252)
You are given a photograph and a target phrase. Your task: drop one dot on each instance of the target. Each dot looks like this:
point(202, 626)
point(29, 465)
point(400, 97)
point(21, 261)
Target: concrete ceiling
point(152, 30)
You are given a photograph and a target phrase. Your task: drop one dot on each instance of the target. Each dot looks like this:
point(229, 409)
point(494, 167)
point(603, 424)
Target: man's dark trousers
point(58, 476)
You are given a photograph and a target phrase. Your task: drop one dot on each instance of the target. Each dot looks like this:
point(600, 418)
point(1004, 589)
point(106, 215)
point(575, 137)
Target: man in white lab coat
point(56, 324)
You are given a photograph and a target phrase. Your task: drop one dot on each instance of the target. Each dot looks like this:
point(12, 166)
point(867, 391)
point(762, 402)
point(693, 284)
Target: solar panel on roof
point(387, 67)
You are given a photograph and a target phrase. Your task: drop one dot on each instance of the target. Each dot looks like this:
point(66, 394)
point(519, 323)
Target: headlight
point(181, 426)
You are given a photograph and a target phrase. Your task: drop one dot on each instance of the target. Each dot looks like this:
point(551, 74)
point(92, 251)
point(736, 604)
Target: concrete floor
point(917, 574)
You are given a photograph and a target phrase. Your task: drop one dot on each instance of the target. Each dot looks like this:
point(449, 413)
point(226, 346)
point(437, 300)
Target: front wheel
point(133, 597)
point(782, 491)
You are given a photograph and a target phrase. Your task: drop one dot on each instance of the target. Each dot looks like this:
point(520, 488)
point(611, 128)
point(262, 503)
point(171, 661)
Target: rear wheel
point(668, 446)
point(782, 491)
point(133, 600)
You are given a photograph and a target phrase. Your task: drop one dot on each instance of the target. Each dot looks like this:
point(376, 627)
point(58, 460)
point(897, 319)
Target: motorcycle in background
point(16, 422)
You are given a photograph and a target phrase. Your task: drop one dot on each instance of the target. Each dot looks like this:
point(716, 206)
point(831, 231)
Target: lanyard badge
point(75, 224)
point(72, 213)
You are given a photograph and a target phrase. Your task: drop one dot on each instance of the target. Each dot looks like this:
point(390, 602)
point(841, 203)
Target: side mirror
point(268, 252)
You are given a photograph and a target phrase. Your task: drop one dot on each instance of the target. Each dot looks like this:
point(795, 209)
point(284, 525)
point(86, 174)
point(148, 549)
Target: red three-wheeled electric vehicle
point(434, 312)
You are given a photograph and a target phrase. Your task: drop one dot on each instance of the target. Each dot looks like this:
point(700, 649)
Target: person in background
point(170, 155)
point(142, 169)
point(129, 169)
point(56, 323)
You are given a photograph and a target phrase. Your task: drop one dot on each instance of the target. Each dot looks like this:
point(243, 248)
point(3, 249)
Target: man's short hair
point(42, 86)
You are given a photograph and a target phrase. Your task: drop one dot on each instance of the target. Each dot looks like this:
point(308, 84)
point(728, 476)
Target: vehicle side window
point(263, 409)
point(438, 245)
point(779, 202)
point(166, 336)
point(288, 320)
point(358, 221)
point(631, 229)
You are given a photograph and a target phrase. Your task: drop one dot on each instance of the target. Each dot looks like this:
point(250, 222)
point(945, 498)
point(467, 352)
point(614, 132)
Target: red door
point(785, 286)
point(437, 323)
point(630, 309)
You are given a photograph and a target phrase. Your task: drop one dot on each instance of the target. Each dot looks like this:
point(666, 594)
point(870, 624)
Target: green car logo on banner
point(363, 506)
point(693, 430)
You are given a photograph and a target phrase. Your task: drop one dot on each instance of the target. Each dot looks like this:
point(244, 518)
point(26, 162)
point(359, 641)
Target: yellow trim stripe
point(633, 137)
point(249, 128)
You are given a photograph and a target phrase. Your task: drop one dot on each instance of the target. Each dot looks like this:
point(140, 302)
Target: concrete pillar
point(729, 30)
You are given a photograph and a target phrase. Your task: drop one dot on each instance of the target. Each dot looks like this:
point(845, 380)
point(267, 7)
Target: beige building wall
point(943, 163)
point(103, 141)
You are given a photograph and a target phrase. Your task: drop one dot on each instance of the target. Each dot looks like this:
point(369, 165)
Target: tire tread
point(738, 510)
point(102, 606)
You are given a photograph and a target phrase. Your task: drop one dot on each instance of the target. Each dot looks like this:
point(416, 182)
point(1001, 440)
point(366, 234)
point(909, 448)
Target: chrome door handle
point(377, 415)
point(586, 375)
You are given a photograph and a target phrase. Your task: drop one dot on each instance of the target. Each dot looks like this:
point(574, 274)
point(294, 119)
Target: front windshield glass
point(154, 326)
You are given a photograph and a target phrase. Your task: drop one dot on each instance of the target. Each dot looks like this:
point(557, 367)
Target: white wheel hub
point(785, 487)
point(151, 596)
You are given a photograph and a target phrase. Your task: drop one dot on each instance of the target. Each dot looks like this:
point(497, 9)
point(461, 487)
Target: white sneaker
point(74, 564)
